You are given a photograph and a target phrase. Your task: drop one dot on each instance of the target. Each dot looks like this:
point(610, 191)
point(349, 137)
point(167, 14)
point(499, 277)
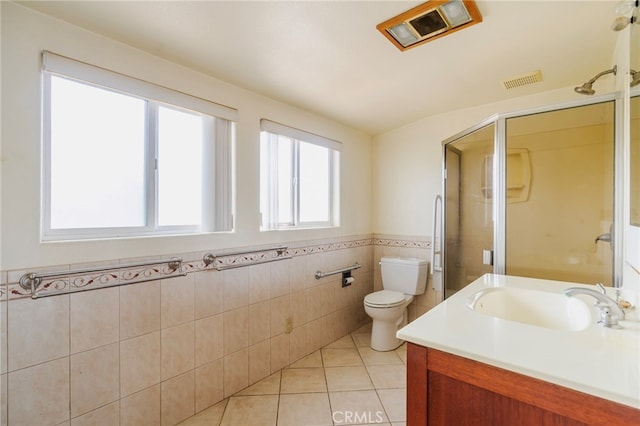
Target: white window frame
point(218, 157)
point(270, 133)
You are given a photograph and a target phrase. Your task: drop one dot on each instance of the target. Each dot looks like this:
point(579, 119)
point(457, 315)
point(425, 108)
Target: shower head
point(621, 22)
point(635, 78)
point(586, 88)
point(623, 10)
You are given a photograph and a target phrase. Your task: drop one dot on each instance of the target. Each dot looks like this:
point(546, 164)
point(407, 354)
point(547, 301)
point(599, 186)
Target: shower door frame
point(499, 204)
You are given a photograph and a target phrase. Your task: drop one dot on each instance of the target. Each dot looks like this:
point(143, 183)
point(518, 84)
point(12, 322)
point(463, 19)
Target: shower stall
point(531, 194)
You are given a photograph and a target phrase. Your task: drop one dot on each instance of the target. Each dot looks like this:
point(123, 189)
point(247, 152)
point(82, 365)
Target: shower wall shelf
point(77, 280)
point(518, 176)
point(246, 258)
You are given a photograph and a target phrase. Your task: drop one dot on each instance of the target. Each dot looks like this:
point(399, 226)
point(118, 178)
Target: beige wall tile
point(209, 384)
point(103, 416)
point(314, 303)
point(177, 350)
point(139, 309)
point(298, 308)
point(315, 262)
point(297, 344)
point(139, 363)
point(327, 298)
point(95, 379)
point(51, 407)
point(259, 282)
point(236, 288)
point(279, 282)
point(3, 400)
point(341, 326)
point(259, 361)
point(279, 352)
point(3, 337)
point(343, 296)
point(209, 293)
point(95, 319)
point(328, 329)
point(280, 313)
point(259, 322)
point(177, 301)
point(209, 339)
point(177, 400)
point(37, 331)
point(142, 408)
point(297, 271)
point(314, 335)
point(236, 330)
point(236, 372)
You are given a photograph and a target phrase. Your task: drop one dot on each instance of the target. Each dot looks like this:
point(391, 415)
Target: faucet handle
point(601, 288)
point(607, 318)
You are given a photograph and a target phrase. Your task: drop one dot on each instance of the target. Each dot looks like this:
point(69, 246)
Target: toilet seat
point(384, 299)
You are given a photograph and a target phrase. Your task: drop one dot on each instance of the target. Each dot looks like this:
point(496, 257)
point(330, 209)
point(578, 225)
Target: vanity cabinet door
point(445, 390)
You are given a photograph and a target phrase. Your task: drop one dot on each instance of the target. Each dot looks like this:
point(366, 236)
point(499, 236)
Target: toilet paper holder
point(347, 279)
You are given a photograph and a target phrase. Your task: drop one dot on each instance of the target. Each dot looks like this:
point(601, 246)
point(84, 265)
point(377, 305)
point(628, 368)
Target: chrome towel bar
point(33, 281)
point(213, 259)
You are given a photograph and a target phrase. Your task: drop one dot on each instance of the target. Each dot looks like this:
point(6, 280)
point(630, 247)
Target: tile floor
point(343, 383)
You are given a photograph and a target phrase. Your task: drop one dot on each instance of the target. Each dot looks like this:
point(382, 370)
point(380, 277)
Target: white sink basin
point(538, 308)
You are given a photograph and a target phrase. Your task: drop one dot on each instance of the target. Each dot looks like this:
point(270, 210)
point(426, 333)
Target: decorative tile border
point(402, 243)
point(95, 280)
point(121, 276)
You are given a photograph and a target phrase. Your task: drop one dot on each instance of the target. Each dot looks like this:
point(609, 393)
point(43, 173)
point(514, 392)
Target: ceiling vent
point(523, 80)
point(429, 21)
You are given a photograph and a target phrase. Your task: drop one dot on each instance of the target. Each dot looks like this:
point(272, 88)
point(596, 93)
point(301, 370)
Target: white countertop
point(599, 361)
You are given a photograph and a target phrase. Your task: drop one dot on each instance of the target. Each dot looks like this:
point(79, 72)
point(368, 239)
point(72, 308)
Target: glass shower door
point(468, 208)
point(559, 194)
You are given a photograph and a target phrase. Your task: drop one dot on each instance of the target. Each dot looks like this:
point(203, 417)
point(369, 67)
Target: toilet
point(402, 278)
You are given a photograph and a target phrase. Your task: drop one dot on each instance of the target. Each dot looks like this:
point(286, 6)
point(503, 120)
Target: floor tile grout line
point(327, 391)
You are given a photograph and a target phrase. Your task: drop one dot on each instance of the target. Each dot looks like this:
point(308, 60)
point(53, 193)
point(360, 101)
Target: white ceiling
point(328, 58)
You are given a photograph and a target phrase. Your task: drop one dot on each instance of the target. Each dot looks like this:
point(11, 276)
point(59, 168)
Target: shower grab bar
point(211, 258)
point(436, 244)
point(31, 281)
point(320, 274)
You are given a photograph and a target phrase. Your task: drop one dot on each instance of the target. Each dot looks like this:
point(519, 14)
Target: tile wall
point(159, 352)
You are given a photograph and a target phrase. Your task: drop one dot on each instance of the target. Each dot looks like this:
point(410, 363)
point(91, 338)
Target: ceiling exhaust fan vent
point(523, 80)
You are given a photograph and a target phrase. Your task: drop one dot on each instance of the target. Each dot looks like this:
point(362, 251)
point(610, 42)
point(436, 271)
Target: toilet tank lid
point(405, 260)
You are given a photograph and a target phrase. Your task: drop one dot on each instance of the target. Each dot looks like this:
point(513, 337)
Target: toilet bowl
point(388, 309)
point(402, 278)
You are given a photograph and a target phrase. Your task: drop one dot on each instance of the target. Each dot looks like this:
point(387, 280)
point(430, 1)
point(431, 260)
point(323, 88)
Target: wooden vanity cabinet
point(448, 390)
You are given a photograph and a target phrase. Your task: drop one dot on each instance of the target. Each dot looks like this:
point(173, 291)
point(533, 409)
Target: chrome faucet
point(610, 312)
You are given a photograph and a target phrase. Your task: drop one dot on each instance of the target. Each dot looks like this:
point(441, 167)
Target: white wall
point(408, 162)
point(26, 33)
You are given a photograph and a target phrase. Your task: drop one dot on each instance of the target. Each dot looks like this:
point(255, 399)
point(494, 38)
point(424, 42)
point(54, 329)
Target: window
point(122, 157)
point(299, 177)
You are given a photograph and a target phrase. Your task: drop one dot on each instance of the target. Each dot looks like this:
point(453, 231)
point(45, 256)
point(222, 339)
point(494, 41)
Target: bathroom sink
point(538, 308)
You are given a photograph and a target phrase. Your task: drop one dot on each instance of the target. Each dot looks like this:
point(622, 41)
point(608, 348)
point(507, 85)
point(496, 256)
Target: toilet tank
point(407, 275)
